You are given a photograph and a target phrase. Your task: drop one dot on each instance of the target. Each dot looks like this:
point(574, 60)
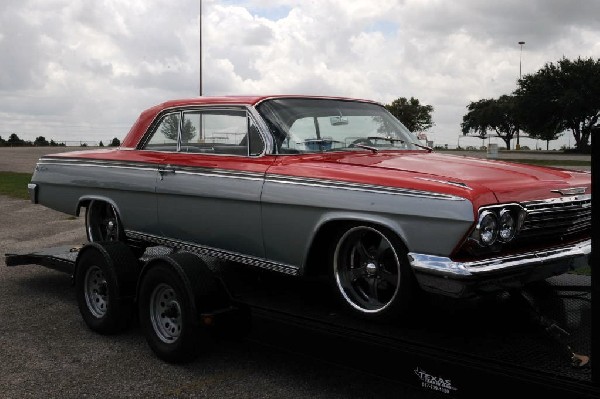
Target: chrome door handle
point(165, 169)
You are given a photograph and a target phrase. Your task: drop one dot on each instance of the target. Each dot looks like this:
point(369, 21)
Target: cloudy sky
point(84, 69)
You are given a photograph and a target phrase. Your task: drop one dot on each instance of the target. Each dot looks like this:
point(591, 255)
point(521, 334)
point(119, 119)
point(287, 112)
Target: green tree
point(14, 140)
point(41, 141)
point(170, 127)
point(100, 144)
point(499, 115)
point(415, 116)
point(115, 142)
point(2, 141)
point(562, 96)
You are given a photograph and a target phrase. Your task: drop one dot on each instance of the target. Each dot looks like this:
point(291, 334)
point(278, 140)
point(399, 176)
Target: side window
point(221, 132)
point(164, 137)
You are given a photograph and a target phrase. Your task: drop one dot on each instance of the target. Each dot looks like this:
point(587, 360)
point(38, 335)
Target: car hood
point(507, 181)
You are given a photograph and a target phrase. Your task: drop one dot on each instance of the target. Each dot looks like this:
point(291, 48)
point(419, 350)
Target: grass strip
point(549, 162)
point(14, 184)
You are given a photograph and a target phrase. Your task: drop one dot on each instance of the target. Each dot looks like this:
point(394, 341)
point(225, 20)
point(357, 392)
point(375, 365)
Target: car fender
point(88, 198)
point(352, 217)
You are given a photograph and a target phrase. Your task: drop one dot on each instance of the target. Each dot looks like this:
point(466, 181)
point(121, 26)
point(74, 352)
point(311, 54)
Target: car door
point(208, 191)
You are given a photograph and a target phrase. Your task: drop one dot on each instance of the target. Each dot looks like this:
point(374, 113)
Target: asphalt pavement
point(46, 350)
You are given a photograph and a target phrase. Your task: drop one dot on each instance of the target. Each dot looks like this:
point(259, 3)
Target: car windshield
point(301, 125)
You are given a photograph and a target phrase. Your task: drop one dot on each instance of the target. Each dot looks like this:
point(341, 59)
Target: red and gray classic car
point(303, 185)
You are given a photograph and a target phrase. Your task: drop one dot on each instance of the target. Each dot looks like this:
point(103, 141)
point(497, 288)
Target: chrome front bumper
point(458, 279)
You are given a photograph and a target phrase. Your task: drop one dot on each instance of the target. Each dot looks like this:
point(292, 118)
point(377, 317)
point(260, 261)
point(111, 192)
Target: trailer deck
point(492, 347)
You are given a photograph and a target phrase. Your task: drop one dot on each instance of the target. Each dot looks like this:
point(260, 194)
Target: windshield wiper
point(429, 149)
point(323, 144)
point(366, 147)
point(387, 138)
point(393, 140)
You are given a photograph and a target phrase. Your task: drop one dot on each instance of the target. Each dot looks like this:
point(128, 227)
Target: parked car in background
point(302, 185)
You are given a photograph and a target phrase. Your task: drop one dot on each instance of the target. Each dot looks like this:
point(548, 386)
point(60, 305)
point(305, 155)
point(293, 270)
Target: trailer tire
point(174, 291)
point(105, 277)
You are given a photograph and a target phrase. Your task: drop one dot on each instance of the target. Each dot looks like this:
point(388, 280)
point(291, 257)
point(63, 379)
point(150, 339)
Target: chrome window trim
point(215, 252)
point(250, 112)
point(152, 129)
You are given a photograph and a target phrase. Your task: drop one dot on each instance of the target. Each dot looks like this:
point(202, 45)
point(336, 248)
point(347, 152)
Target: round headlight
point(508, 226)
point(488, 228)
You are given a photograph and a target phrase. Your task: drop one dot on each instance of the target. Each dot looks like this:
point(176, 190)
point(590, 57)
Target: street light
point(200, 46)
point(520, 56)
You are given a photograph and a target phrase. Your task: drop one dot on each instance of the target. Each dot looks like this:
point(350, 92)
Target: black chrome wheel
point(370, 272)
point(102, 222)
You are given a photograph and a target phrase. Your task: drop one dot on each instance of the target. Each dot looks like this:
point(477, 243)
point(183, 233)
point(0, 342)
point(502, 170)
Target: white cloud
point(73, 70)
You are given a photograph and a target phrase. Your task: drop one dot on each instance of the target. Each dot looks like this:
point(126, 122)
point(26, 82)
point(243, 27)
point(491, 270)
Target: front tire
point(371, 274)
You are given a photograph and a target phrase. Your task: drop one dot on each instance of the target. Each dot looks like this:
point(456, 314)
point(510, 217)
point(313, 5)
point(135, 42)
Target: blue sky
point(84, 70)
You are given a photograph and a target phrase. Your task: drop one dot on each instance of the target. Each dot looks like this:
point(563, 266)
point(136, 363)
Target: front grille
point(557, 219)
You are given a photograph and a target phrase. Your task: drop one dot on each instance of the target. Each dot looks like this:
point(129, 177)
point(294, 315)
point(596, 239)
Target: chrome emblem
point(570, 191)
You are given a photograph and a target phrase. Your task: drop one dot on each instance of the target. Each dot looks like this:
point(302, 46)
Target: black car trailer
point(535, 340)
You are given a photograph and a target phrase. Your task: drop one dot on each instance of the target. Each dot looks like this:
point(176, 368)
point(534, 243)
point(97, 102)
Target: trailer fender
point(121, 261)
point(205, 290)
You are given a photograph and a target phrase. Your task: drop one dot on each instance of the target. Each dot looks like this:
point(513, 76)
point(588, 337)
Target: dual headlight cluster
point(499, 223)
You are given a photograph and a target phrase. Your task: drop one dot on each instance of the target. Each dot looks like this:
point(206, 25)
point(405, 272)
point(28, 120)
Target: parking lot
point(46, 350)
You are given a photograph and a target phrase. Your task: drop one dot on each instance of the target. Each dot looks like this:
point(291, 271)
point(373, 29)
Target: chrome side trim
point(209, 172)
point(272, 178)
point(313, 182)
point(215, 252)
point(448, 182)
point(32, 188)
point(440, 265)
point(98, 163)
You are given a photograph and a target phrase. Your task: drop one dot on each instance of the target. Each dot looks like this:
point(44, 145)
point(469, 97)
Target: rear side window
point(207, 131)
point(165, 135)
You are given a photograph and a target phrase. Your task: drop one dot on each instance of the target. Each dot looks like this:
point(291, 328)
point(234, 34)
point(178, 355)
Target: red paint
point(487, 182)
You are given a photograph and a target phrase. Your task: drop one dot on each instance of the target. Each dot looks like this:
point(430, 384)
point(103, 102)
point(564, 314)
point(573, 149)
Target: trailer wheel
point(105, 285)
point(370, 273)
point(174, 291)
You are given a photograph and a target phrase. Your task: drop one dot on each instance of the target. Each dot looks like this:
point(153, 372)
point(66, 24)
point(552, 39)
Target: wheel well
point(322, 242)
point(82, 204)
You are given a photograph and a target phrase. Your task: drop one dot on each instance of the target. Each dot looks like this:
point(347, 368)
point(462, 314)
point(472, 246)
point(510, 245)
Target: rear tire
point(170, 304)
point(105, 286)
point(103, 224)
point(371, 274)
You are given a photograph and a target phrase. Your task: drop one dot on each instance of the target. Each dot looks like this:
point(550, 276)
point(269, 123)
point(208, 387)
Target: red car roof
point(243, 99)
point(149, 114)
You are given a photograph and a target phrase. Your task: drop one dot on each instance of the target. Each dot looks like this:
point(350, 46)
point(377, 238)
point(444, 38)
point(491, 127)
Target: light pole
point(200, 46)
point(520, 56)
